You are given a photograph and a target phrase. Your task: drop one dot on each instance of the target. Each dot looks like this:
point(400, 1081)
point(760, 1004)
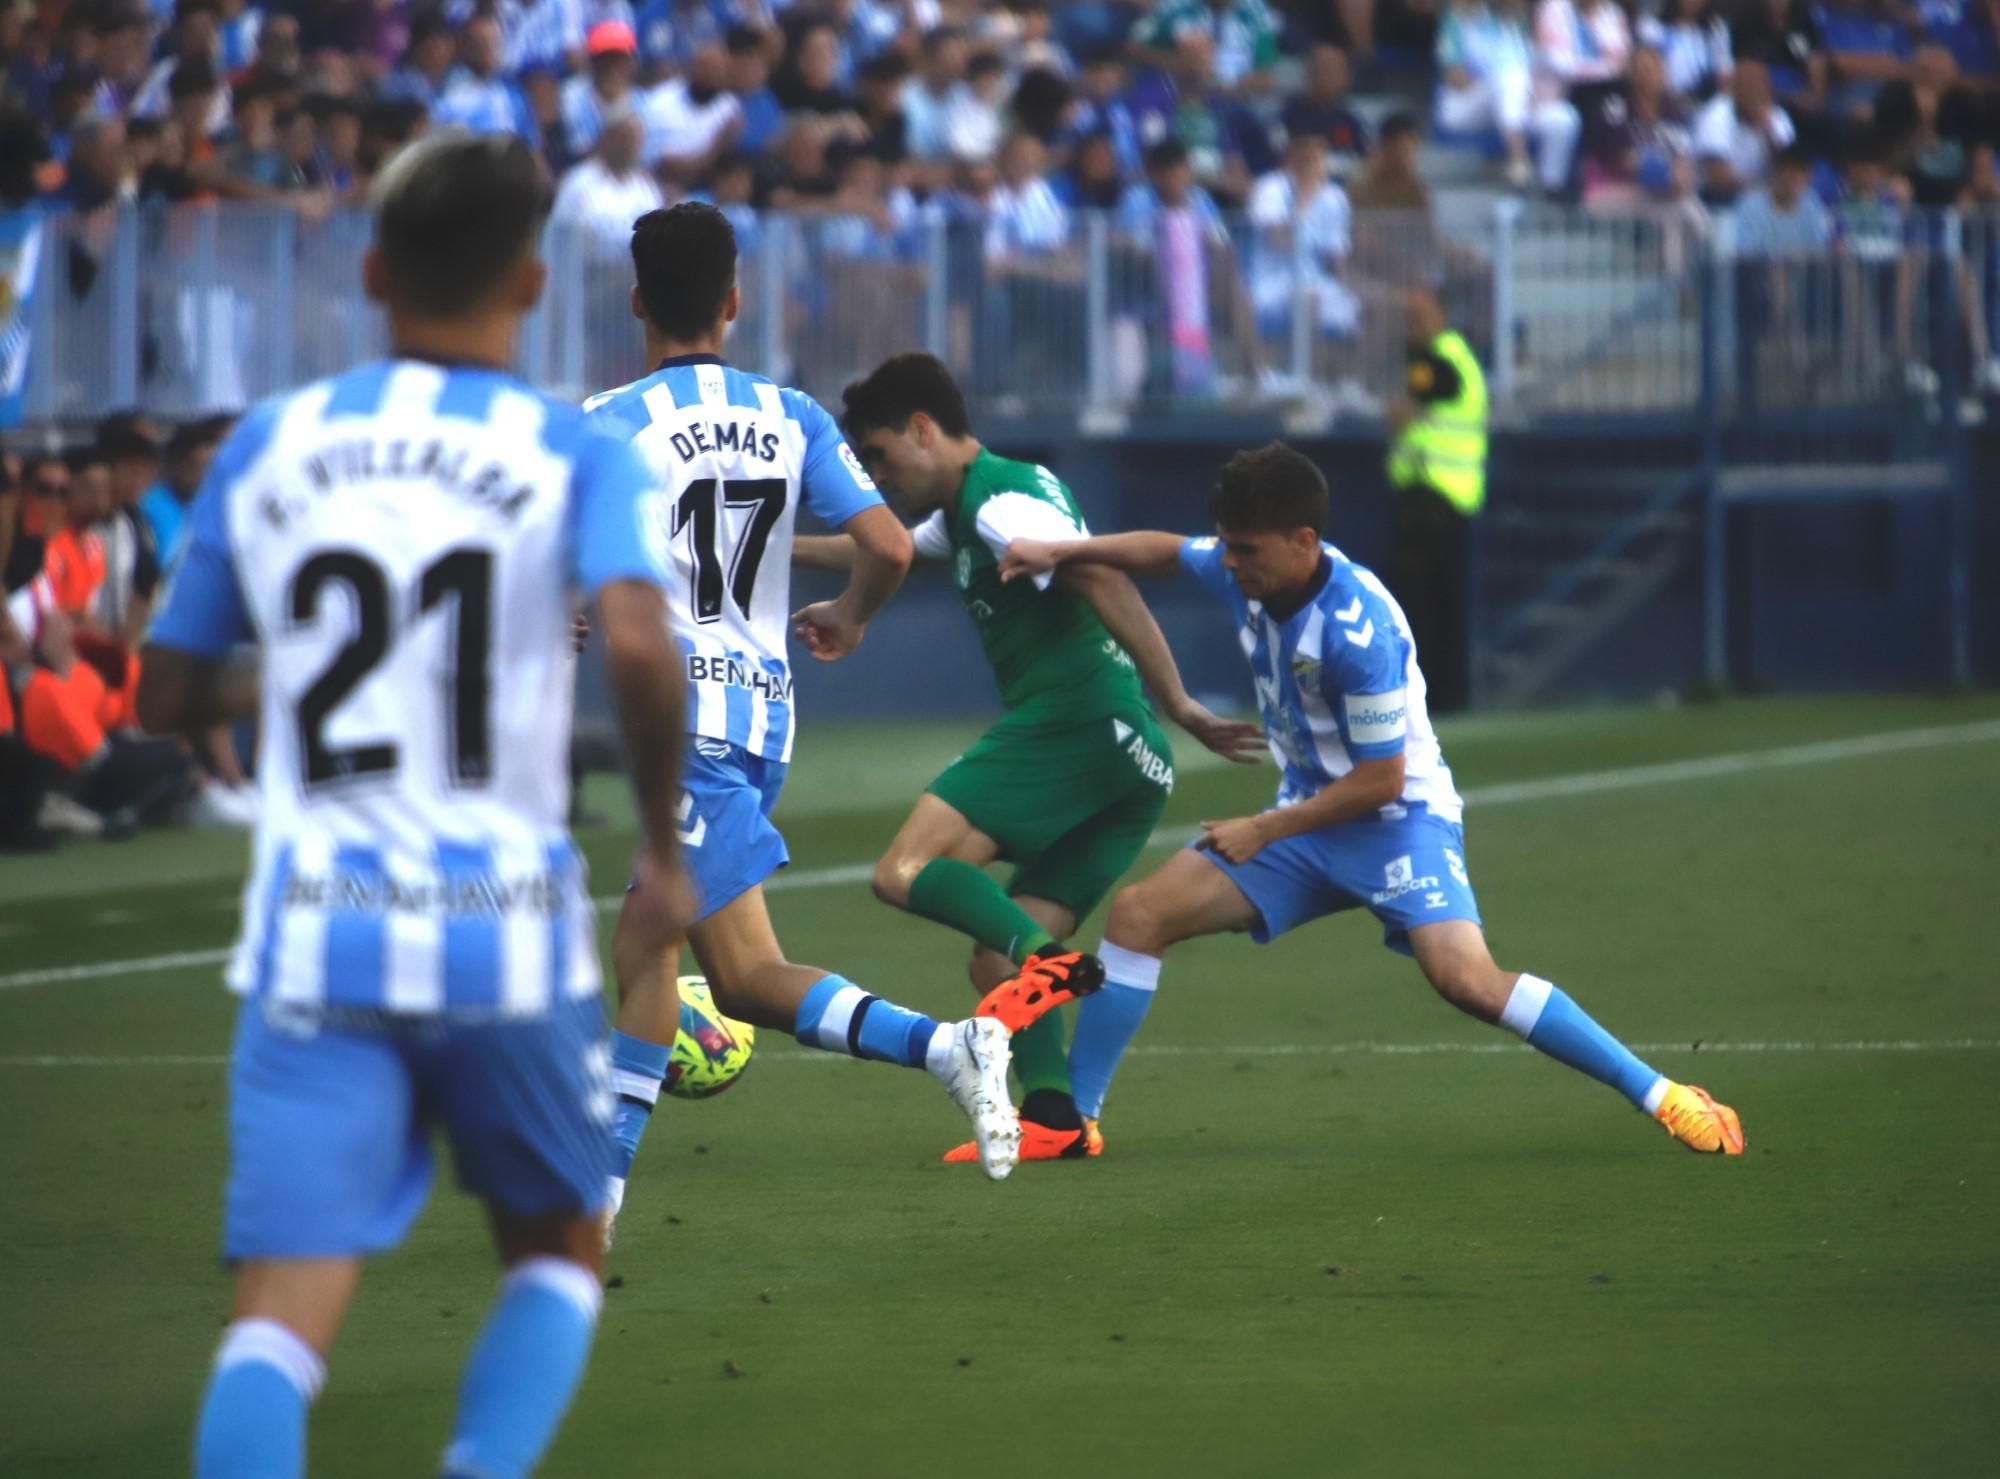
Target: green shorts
point(1071, 802)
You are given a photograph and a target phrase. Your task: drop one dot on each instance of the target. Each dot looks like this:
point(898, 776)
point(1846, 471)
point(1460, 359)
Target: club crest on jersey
point(1306, 670)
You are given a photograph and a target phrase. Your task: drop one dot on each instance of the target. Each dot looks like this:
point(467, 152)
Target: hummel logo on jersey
point(1351, 614)
point(1363, 637)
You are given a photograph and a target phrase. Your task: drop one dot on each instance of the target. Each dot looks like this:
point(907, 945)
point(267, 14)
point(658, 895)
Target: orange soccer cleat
point(1040, 1143)
point(1698, 1122)
point(1045, 983)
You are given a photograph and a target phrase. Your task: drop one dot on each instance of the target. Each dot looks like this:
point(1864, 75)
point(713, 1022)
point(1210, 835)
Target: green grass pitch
point(1338, 1229)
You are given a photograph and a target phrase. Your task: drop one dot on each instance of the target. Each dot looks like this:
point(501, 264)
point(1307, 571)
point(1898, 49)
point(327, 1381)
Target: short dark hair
point(454, 213)
point(901, 386)
point(1273, 488)
point(192, 77)
point(125, 434)
point(1791, 157)
point(684, 259)
point(1167, 154)
point(203, 431)
point(743, 40)
point(1399, 126)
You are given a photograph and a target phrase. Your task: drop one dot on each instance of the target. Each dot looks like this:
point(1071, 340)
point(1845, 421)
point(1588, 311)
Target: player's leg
point(754, 982)
point(1455, 959)
point(1050, 1126)
point(1187, 896)
point(526, 1104)
point(327, 1163)
point(642, 1041)
point(933, 868)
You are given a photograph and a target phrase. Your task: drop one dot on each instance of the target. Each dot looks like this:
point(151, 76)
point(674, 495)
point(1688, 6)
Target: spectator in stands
point(1693, 41)
point(976, 127)
point(545, 33)
point(605, 86)
point(1868, 211)
point(1101, 109)
point(477, 97)
point(1867, 46)
point(671, 31)
point(1969, 30)
point(121, 59)
point(879, 87)
point(541, 94)
point(1034, 340)
point(1303, 233)
point(1638, 155)
point(603, 195)
point(1784, 37)
point(936, 93)
point(100, 167)
point(749, 81)
point(1404, 32)
point(250, 152)
point(1225, 144)
point(241, 31)
point(1321, 109)
point(1091, 181)
point(1736, 134)
point(804, 181)
point(165, 505)
point(1041, 105)
point(426, 69)
point(1579, 43)
point(127, 447)
point(1931, 123)
point(863, 29)
point(809, 80)
point(196, 38)
point(1486, 83)
point(1784, 281)
point(339, 165)
point(692, 119)
point(1194, 262)
point(1392, 180)
point(1242, 36)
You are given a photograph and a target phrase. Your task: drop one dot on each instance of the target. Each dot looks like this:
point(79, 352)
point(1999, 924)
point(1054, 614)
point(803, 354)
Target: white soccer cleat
point(975, 1075)
point(614, 1199)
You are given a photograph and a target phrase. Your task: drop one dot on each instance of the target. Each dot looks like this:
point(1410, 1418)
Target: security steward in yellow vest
point(1437, 467)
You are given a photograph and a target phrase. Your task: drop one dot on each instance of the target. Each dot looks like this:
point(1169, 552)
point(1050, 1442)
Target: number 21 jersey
point(734, 455)
point(405, 543)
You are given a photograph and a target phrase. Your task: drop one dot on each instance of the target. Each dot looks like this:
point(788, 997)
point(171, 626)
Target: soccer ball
point(710, 1051)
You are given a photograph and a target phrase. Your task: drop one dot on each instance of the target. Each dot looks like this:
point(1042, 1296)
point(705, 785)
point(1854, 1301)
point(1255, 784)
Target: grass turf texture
point(1297, 1256)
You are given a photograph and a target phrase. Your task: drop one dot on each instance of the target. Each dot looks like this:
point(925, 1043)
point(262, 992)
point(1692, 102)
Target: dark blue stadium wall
point(1826, 595)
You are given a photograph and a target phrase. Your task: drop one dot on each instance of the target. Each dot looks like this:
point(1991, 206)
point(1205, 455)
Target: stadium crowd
point(1219, 137)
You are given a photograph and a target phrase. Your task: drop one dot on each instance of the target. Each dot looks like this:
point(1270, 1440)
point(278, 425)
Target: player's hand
point(1027, 557)
point(828, 630)
point(1239, 839)
point(579, 631)
point(1233, 739)
point(662, 904)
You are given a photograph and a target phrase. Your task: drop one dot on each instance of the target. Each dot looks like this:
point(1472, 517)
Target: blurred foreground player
point(1366, 814)
point(406, 543)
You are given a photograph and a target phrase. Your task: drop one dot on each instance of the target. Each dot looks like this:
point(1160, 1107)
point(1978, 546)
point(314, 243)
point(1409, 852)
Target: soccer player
point(1366, 815)
point(734, 455)
point(1070, 784)
point(405, 544)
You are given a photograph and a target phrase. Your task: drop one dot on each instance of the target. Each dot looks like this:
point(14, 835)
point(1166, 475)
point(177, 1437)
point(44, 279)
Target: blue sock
point(1106, 1022)
point(1549, 1021)
point(253, 1419)
point(525, 1369)
point(840, 1017)
point(637, 1069)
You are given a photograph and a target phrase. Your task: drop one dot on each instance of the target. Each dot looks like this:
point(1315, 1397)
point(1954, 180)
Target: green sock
point(963, 898)
point(1041, 1056)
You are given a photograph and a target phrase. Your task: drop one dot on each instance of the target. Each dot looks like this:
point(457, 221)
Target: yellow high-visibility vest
point(1444, 446)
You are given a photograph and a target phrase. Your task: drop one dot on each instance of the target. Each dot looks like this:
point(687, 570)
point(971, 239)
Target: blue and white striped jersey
point(733, 453)
point(1336, 682)
point(406, 543)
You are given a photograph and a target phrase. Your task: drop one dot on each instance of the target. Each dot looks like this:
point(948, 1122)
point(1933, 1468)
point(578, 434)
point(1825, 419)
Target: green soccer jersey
point(1045, 644)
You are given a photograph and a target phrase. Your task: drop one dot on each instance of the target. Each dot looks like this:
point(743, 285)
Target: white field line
point(1587, 783)
point(1212, 1052)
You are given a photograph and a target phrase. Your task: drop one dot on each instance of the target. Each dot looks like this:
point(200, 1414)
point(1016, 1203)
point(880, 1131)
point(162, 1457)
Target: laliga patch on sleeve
point(854, 466)
point(1376, 718)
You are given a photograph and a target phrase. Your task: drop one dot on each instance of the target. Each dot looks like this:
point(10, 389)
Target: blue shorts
point(728, 844)
point(1406, 873)
point(329, 1125)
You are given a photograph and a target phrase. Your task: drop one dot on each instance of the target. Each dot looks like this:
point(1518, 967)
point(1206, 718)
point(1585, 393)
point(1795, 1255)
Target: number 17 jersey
point(734, 456)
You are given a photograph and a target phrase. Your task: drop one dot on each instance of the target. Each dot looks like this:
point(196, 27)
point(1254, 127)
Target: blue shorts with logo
point(330, 1120)
point(728, 844)
point(1406, 873)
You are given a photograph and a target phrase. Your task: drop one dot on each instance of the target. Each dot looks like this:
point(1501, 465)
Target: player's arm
point(842, 494)
point(1126, 616)
point(193, 674)
point(1144, 552)
point(643, 664)
point(824, 552)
